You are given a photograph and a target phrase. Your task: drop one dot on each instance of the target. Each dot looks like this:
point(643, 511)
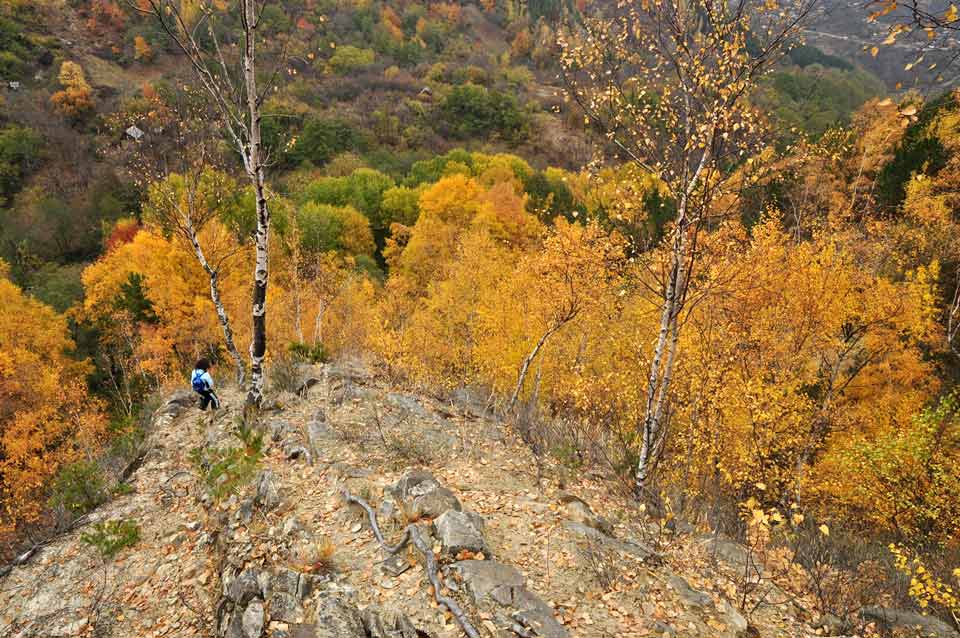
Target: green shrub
point(225, 470)
point(19, 155)
point(79, 487)
point(470, 111)
point(312, 352)
point(321, 139)
point(350, 58)
point(109, 537)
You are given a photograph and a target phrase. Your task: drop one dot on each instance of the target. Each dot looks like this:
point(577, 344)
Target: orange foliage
point(76, 98)
point(46, 416)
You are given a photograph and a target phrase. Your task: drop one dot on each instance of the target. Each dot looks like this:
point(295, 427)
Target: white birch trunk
point(525, 366)
point(254, 166)
point(664, 354)
point(218, 304)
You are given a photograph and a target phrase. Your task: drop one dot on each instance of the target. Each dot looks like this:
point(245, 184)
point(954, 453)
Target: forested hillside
point(692, 251)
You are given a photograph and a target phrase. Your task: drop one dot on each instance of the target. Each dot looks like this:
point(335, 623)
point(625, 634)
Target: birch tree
point(667, 83)
point(237, 98)
point(183, 205)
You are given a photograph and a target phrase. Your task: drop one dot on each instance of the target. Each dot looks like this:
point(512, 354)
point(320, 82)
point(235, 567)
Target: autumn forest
point(678, 244)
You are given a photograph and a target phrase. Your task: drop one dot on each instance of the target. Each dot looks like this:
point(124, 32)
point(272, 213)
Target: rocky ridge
point(290, 557)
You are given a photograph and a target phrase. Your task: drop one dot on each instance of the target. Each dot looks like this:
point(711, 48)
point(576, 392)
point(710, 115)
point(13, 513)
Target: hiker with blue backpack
point(203, 385)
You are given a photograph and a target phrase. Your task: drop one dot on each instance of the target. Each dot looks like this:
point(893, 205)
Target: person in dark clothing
point(202, 384)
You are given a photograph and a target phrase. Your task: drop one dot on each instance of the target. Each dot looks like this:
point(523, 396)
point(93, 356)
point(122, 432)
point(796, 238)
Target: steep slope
point(262, 559)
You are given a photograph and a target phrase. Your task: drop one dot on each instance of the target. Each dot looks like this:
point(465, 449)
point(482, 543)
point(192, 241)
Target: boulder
point(925, 626)
point(433, 504)
point(458, 531)
point(254, 618)
point(285, 607)
point(733, 619)
point(279, 429)
point(578, 511)
point(630, 547)
point(421, 496)
point(387, 623)
point(244, 587)
point(267, 495)
point(486, 580)
point(493, 585)
point(692, 597)
point(337, 618)
point(415, 483)
point(178, 402)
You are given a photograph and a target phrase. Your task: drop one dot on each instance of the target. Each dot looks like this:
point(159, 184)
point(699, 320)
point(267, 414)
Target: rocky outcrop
point(925, 626)
point(494, 588)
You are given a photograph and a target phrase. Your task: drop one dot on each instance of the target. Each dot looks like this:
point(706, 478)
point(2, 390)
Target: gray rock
point(285, 580)
point(433, 504)
point(395, 565)
point(267, 495)
point(293, 450)
point(540, 622)
point(318, 434)
point(244, 587)
point(926, 626)
point(254, 618)
point(292, 526)
point(279, 429)
point(233, 626)
point(693, 597)
point(830, 625)
point(284, 607)
point(458, 531)
point(732, 553)
point(577, 510)
point(625, 546)
point(307, 383)
point(337, 618)
point(415, 483)
point(491, 584)
point(734, 620)
point(487, 580)
point(387, 623)
point(661, 628)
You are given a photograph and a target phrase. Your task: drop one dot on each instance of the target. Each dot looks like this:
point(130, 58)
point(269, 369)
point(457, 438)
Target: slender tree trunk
point(525, 366)
point(297, 309)
point(218, 304)
point(318, 324)
point(664, 354)
point(255, 170)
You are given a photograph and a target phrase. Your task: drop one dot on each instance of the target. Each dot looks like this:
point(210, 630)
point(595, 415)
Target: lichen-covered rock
point(693, 597)
point(254, 618)
point(244, 587)
point(460, 531)
point(492, 585)
point(420, 495)
point(487, 580)
point(337, 618)
point(387, 623)
point(267, 494)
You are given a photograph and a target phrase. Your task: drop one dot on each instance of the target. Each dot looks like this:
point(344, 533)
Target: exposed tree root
point(411, 534)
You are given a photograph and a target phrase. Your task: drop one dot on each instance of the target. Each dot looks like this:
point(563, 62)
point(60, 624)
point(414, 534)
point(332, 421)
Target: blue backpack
point(199, 383)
